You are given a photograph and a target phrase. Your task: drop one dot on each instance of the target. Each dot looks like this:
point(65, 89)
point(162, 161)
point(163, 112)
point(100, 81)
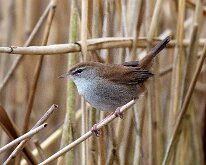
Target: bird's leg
point(94, 129)
point(119, 114)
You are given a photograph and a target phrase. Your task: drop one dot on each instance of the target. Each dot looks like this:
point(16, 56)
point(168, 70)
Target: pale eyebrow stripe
point(78, 69)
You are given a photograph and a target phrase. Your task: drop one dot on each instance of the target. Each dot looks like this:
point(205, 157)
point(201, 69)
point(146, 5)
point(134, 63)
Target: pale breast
point(106, 96)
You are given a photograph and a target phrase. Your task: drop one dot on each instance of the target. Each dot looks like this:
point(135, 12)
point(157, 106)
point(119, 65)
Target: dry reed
point(40, 40)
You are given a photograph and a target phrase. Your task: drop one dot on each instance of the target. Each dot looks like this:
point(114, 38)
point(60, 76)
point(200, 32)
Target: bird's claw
point(119, 114)
point(95, 131)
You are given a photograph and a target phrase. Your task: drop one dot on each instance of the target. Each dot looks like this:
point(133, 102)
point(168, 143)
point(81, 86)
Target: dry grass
point(165, 126)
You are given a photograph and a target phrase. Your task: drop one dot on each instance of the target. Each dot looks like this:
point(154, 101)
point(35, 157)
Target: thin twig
point(169, 68)
point(86, 135)
point(154, 108)
point(192, 4)
point(84, 23)
point(38, 69)
point(136, 32)
point(21, 138)
point(28, 42)
point(41, 121)
point(68, 133)
point(155, 19)
point(9, 128)
point(177, 130)
point(40, 150)
point(93, 44)
point(166, 70)
point(124, 22)
point(46, 115)
point(47, 143)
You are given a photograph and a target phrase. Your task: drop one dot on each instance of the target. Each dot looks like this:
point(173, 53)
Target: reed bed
point(40, 40)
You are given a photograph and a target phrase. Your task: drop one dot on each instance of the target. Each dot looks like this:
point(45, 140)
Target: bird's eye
point(78, 71)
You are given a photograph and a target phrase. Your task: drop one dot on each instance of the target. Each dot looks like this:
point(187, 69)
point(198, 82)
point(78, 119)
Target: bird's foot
point(119, 114)
point(95, 131)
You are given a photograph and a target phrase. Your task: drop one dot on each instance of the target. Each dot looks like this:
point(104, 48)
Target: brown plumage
point(109, 86)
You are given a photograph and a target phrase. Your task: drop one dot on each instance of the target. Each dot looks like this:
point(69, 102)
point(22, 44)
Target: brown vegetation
point(165, 126)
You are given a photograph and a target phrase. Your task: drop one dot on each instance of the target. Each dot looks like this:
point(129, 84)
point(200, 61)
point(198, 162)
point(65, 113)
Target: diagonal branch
point(38, 68)
point(41, 121)
point(177, 130)
point(21, 138)
point(101, 124)
point(27, 43)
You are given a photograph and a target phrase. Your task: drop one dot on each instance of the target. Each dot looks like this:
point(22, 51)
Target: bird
point(107, 87)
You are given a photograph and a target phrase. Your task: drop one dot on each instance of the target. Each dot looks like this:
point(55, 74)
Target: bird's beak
point(65, 75)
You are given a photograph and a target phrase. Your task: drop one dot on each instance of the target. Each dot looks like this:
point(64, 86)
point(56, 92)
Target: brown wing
point(131, 63)
point(130, 75)
point(146, 62)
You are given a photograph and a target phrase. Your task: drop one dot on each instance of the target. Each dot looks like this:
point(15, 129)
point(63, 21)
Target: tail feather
point(145, 62)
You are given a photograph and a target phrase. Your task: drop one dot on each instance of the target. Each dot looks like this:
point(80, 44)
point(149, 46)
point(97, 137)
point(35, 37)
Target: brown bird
point(107, 87)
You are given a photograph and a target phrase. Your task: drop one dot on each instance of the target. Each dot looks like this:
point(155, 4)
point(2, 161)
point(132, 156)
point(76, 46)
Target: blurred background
point(29, 84)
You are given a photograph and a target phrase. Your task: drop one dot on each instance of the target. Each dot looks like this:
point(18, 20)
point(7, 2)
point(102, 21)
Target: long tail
point(146, 61)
